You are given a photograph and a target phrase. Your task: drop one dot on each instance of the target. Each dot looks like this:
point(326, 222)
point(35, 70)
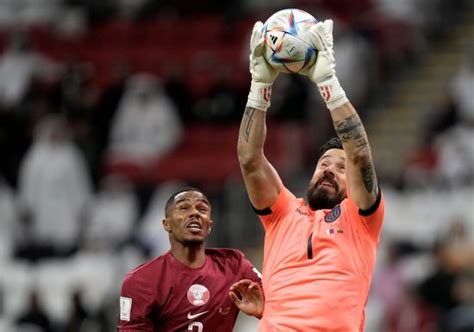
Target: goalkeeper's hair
point(332, 143)
point(170, 200)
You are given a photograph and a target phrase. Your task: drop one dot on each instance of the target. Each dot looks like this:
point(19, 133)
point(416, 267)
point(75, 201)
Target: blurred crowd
point(446, 156)
point(83, 141)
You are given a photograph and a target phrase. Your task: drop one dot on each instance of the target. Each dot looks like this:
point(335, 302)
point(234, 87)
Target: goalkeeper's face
point(327, 187)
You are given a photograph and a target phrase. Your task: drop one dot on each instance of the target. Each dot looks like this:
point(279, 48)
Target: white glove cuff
point(259, 95)
point(332, 93)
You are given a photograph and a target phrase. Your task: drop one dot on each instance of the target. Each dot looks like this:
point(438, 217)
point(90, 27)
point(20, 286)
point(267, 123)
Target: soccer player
point(189, 288)
point(319, 255)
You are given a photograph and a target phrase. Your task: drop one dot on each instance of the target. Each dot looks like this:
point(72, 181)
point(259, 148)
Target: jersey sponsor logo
point(304, 213)
point(198, 295)
point(191, 316)
point(125, 308)
point(333, 214)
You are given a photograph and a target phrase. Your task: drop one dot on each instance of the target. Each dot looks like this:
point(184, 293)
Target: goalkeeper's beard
point(320, 197)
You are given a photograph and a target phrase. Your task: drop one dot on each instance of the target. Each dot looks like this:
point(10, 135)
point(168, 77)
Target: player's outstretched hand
point(321, 38)
point(248, 297)
point(323, 72)
point(260, 70)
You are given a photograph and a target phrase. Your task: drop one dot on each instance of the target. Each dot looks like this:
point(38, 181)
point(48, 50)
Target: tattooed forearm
point(352, 134)
point(248, 122)
point(351, 128)
point(368, 177)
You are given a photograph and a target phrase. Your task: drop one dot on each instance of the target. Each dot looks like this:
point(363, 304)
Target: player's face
point(189, 221)
point(327, 187)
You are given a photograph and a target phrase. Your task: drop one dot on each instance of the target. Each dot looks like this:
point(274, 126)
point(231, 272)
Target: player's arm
point(360, 172)
point(261, 179)
point(136, 300)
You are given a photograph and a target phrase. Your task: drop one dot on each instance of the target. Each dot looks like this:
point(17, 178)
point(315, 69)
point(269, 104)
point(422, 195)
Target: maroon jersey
point(165, 295)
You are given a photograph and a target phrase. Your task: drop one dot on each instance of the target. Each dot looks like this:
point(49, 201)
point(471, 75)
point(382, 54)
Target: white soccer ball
point(287, 47)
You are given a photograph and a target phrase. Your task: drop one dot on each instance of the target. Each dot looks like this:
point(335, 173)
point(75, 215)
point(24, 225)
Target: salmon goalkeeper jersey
point(318, 265)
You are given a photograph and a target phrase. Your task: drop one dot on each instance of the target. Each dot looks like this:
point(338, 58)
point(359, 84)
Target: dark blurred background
point(107, 107)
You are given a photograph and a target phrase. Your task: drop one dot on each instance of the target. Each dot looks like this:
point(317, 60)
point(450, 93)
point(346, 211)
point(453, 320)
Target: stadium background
point(107, 106)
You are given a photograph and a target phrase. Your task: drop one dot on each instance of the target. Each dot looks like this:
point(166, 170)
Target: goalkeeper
point(319, 254)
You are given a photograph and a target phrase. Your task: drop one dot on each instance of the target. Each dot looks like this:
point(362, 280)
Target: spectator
point(8, 220)
point(221, 103)
point(461, 318)
point(178, 90)
point(76, 97)
point(455, 150)
point(74, 94)
point(81, 319)
point(19, 65)
point(437, 291)
point(450, 290)
point(151, 235)
point(54, 190)
point(108, 104)
point(354, 56)
point(461, 89)
point(34, 319)
point(146, 125)
point(455, 146)
point(113, 213)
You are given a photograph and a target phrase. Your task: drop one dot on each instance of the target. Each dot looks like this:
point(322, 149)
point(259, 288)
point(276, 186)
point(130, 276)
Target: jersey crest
point(198, 295)
point(333, 214)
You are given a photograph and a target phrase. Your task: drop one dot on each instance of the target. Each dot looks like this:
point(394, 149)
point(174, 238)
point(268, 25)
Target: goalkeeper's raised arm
point(261, 179)
point(361, 179)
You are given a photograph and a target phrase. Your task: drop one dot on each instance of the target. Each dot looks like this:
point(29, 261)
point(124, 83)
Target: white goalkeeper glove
point(263, 75)
point(323, 72)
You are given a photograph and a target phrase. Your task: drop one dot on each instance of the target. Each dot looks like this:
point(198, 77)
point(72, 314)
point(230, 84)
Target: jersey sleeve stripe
point(374, 207)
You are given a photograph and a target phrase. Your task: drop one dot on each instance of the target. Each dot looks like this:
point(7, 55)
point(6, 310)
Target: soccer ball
point(287, 47)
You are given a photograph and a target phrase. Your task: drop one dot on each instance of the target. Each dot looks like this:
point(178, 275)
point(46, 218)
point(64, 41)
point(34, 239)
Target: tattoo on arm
point(351, 129)
point(249, 113)
point(368, 177)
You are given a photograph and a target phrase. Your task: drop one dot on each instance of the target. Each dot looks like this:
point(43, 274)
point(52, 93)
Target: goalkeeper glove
point(323, 72)
point(263, 75)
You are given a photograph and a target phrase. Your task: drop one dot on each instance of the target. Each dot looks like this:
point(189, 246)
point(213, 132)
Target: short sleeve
point(136, 303)
point(250, 271)
point(372, 218)
point(278, 209)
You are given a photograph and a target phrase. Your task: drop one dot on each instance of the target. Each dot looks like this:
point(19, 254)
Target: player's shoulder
point(225, 253)
point(229, 259)
point(350, 207)
point(148, 270)
point(226, 256)
point(287, 201)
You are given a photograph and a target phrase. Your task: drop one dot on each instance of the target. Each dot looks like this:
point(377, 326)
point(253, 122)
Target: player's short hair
point(170, 200)
point(332, 143)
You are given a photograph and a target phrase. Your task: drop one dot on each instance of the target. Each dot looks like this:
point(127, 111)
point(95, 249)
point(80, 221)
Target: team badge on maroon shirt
point(198, 295)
